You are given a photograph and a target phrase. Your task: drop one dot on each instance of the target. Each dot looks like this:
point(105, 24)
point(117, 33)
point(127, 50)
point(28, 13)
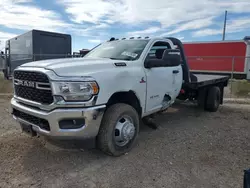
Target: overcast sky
point(91, 21)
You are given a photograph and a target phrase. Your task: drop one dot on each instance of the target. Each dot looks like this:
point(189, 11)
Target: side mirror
point(151, 63)
point(172, 56)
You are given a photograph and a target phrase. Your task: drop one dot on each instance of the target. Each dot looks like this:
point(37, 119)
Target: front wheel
point(119, 129)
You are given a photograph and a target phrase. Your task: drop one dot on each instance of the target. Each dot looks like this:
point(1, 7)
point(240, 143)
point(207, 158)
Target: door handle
point(175, 71)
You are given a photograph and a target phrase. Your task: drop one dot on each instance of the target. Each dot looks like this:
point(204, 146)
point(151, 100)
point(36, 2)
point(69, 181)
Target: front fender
point(122, 81)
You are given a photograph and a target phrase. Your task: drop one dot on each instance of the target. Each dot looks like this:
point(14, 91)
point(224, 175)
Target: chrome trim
point(92, 116)
point(24, 83)
point(35, 127)
point(43, 88)
point(61, 104)
point(34, 84)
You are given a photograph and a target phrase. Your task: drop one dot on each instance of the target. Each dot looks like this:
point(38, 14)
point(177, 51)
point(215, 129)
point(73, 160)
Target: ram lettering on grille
point(25, 83)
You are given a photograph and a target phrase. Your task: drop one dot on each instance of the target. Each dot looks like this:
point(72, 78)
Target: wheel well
point(128, 97)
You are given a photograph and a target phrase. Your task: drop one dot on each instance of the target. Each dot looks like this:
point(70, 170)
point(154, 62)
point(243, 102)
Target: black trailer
point(35, 45)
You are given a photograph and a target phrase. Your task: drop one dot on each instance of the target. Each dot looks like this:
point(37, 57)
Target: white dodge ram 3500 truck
point(104, 95)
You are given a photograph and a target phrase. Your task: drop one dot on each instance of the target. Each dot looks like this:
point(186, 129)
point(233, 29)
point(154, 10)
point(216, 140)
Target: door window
point(157, 49)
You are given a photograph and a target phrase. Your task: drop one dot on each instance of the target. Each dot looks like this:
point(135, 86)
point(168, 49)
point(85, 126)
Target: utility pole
point(224, 28)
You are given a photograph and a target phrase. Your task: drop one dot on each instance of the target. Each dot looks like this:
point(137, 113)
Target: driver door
point(160, 91)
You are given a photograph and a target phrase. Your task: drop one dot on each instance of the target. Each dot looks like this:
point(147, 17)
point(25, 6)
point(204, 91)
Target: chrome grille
point(33, 86)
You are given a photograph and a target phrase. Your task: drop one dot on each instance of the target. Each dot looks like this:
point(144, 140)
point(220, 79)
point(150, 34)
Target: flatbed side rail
point(223, 81)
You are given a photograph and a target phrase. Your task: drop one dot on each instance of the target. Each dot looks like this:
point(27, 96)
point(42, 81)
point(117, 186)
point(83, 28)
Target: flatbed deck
point(206, 79)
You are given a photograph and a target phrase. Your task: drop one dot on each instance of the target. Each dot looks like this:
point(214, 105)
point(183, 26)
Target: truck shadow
point(180, 111)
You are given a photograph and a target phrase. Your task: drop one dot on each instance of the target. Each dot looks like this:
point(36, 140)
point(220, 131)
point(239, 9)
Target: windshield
point(119, 49)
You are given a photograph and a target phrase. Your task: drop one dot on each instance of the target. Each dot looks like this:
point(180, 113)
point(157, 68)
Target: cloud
point(172, 16)
point(93, 18)
point(20, 14)
point(233, 26)
point(138, 11)
point(3, 37)
point(24, 15)
point(102, 25)
point(206, 32)
point(238, 25)
point(92, 11)
point(90, 31)
point(94, 41)
point(191, 25)
point(143, 32)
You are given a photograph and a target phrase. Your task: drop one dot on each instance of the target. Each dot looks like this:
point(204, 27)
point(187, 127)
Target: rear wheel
point(119, 129)
point(201, 99)
point(213, 99)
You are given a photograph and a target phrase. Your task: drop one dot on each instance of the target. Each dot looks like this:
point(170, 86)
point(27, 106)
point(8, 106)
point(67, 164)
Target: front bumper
point(92, 116)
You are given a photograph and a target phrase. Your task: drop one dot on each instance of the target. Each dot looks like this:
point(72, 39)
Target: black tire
point(105, 137)
point(213, 99)
point(201, 99)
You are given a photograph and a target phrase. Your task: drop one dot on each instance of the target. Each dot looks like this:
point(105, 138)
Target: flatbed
point(207, 80)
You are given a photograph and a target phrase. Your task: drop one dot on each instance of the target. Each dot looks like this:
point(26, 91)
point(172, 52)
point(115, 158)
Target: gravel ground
point(190, 149)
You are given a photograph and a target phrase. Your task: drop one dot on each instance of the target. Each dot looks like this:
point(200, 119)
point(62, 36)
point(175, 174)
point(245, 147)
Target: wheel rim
point(124, 131)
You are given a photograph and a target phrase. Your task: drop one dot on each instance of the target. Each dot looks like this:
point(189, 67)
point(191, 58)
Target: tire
point(201, 99)
point(213, 99)
point(106, 141)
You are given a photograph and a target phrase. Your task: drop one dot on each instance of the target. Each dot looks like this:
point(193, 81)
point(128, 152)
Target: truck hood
point(75, 66)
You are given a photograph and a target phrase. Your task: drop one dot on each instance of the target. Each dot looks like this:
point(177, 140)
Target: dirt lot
point(190, 149)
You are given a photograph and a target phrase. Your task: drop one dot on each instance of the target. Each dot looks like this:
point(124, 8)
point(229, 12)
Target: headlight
point(75, 91)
